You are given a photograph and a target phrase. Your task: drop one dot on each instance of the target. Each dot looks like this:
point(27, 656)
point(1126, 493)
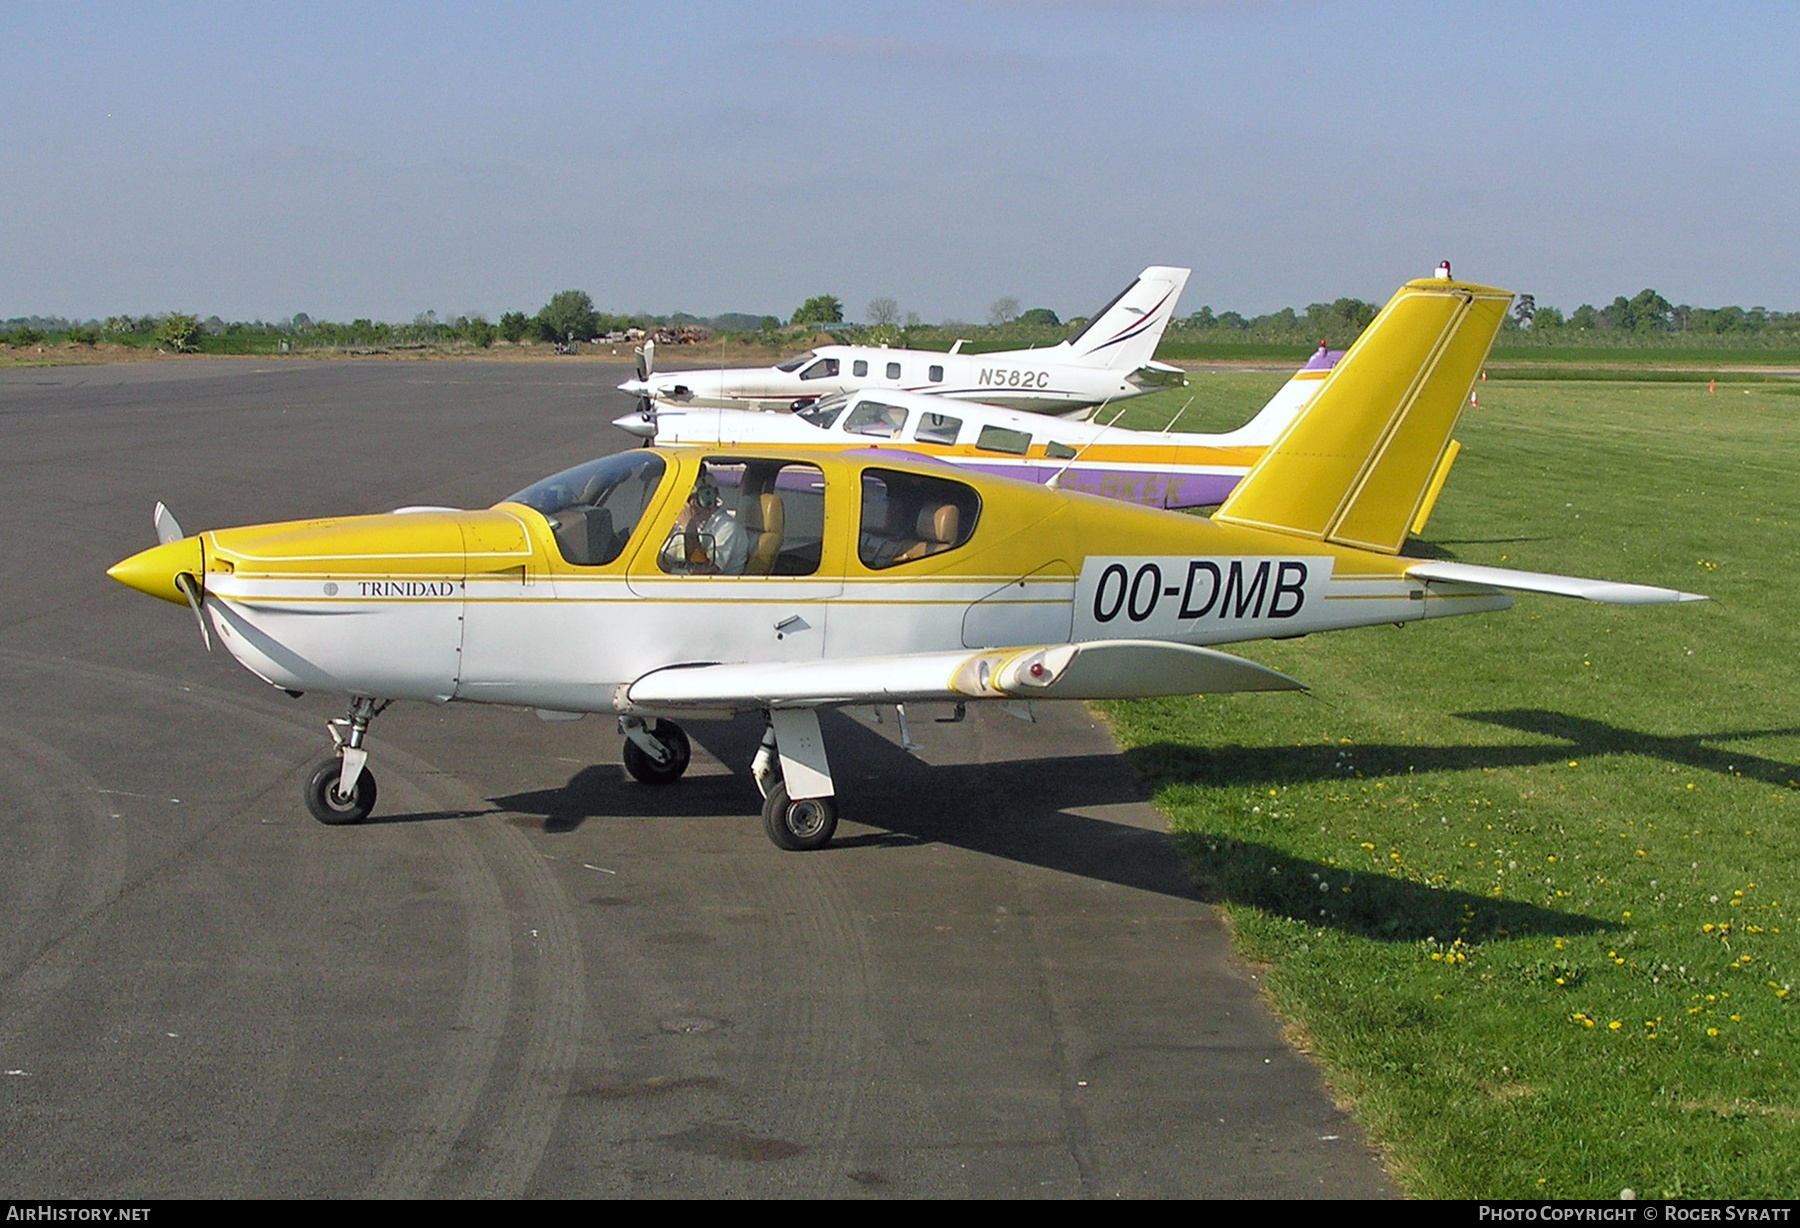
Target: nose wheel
point(329, 805)
point(341, 790)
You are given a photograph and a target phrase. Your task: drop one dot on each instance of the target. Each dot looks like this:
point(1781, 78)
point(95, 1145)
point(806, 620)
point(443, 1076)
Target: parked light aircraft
point(1111, 359)
point(696, 581)
point(1165, 469)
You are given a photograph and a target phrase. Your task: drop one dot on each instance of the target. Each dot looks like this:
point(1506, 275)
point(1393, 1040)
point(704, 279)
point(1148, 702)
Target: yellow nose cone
point(154, 570)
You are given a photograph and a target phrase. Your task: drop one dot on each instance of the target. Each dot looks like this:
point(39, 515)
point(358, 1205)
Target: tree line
point(571, 317)
point(1649, 314)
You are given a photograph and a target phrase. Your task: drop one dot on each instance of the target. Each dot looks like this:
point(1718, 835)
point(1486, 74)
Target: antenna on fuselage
point(1177, 417)
point(1056, 478)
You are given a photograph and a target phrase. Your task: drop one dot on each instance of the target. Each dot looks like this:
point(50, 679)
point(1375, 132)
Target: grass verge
point(1527, 880)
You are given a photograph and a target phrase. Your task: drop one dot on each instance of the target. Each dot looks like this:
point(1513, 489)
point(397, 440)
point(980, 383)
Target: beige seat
point(764, 517)
point(937, 533)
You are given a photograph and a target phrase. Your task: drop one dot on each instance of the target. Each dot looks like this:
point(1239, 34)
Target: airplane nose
point(637, 424)
point(153, 571)
point(636, 387)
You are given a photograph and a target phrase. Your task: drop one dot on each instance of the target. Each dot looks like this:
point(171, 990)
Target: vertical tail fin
point(1356, 466)
point(1124, 335)
point(1282, 408)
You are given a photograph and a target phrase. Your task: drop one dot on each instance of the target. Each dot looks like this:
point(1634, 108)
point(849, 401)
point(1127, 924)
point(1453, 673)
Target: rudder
point(1125, 332)
point(1356, 466)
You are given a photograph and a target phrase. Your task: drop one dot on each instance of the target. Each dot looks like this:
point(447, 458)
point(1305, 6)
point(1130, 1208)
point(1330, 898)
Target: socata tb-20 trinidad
point(1166, 468)
point(704, 581)
point(1109, 360)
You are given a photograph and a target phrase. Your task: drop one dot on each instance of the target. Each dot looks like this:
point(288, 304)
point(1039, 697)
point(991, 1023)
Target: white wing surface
point(1558, 586)
point(1108, 669)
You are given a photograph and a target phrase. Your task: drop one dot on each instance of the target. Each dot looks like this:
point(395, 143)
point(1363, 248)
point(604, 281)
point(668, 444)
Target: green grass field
point(1524, 882)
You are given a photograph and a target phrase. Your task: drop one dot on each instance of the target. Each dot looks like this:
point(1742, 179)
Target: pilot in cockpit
point(706, 539)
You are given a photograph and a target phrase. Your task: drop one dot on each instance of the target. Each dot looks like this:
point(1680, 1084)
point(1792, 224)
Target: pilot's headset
point(706, 493)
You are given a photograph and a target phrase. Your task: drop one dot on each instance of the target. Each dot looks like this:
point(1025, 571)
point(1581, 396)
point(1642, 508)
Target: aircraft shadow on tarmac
point(1018, 810)
point(1021, 810)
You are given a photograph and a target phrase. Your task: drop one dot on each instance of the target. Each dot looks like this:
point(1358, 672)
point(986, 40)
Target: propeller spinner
point(172, 569)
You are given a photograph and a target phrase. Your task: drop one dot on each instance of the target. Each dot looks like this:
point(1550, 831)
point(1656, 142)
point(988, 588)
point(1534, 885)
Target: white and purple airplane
point(1111, 359)
point(1167, 468)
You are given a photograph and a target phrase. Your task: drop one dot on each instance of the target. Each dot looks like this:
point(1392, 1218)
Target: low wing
point(1558, 586)
point(1107, 669)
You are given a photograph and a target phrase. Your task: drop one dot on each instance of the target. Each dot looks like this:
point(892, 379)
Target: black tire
point(328, 805)
point(802, 826)
point(648, 770)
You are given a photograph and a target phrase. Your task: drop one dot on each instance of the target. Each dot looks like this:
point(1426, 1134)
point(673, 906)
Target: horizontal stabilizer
point(1109, 669)
point(1559, 586)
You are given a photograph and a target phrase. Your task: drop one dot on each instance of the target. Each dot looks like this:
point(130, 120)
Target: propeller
point(168, 529)
point(644, 425)
point(642, 421)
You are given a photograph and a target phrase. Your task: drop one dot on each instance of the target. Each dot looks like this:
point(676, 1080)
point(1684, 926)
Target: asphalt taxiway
point(529, 975)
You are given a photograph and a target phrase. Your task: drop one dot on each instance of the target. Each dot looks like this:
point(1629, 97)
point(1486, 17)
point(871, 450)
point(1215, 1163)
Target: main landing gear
point(799, 810)
point(342, 789)
point(798, 825)
point(656, 752)
point(799, 806)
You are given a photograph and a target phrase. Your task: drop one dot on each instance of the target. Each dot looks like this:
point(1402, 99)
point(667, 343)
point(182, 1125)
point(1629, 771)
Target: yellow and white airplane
point(1109, 360)
point(1167, 469)
point(696, 581)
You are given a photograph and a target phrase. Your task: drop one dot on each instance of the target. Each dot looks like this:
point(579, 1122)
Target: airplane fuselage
point(486, 607)
point(1155, 469)
point(1042, 380)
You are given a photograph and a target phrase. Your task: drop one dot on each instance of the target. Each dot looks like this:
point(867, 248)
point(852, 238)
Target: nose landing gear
point(342, 789)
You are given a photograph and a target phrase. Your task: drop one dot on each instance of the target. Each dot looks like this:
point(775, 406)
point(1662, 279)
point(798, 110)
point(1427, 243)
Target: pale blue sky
point(381, 160)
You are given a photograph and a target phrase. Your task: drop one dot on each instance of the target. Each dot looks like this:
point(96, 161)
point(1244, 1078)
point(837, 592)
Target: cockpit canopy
point(824, 411)
point(593, 508)
point(775, 508)
point(819, 368)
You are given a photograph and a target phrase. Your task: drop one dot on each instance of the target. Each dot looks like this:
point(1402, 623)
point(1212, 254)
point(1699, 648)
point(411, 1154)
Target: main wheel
point(646, 769)
point(328, 805)
point(798, 827)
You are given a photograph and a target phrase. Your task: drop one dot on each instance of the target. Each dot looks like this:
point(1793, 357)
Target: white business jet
point(1111, 359)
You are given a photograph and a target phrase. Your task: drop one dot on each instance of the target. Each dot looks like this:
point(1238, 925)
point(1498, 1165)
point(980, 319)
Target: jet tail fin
point(1356, 466)
point(1124, 336)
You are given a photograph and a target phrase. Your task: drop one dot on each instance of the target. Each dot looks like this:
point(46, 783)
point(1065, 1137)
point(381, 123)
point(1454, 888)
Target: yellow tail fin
point(1356, 467)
